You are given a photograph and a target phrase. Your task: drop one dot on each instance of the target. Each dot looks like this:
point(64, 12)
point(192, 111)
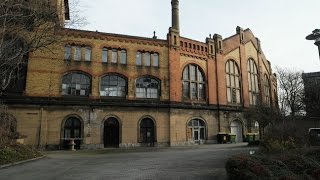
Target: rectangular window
point(238, 95)
point(67, 52)
point(123, 59)
point(201, 91)
point(138, 59)
point(186, 90)
point(193, 73)
point(104, 55)
point(140, 92)
point(193, 91)
point(155, 60)
point(77, 53)
point(234, 95)
point(147, 59)
point(114, 54)
point(228, 80)
point(88, 54)
point(229, 94)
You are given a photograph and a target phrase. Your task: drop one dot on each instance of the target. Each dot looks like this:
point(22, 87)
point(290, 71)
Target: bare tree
point(25, 26)
point(291, 92)
point(264, 114)
point(76, 20)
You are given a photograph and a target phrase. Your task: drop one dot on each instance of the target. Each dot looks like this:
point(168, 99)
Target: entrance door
point(147, 132)
point(236, 128)
point(196, 136)
point(111, 133)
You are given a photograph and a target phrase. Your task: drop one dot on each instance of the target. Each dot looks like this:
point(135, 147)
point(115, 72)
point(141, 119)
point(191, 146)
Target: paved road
point(199, 162)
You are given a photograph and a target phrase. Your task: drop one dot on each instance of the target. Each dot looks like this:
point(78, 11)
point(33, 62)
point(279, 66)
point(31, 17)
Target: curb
point(20, 162)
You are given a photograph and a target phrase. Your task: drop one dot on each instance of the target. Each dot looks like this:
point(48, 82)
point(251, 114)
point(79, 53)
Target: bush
point(282, 137)
point(294, 165)
point(246, 168)
point(8, 127)
point(17, 152)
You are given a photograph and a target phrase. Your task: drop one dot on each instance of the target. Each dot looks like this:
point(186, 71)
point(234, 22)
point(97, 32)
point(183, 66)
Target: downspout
point(40, 127)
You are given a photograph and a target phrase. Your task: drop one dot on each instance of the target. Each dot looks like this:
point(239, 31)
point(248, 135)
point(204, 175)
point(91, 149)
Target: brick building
point(105, 89)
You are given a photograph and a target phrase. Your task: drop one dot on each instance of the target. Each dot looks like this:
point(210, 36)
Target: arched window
point(147, 131)
point(196, 130)
point(233, 82)
point(113, 86)
point(253, 82)
point(76, 83)
point(193, 83)
point(266, 90)
point(72, 130)
point(147, 87)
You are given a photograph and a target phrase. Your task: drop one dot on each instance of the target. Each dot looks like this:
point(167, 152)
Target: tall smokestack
point(175, 14)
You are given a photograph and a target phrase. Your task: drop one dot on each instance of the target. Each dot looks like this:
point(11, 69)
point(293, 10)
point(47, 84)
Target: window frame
point(73, 88)
point(77, 54)
point(104, 55)
point(123, 56)
point(114, 56)
point(88, 54)
point(67, 52)
point(138, 60)
point(141, 87)
point(191, 79)
point(253, 82)
point(105, 84)
point(233, 82)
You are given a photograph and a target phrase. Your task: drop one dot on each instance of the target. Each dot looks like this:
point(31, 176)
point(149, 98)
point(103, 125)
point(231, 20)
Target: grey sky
point(281, 25)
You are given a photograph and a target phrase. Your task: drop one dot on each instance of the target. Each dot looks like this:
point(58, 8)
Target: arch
point(193, 82)
point(111, 132)
point(71, 128)
point(147, 131)
point(196, 130)
point(236, 127)
point(233, 82)
point(113, 85)
point(253, 82)
point(76, 83)
point(148, 87)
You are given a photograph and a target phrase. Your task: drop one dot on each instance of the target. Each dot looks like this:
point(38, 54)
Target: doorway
point(111, 133)
point(236, 128)
point(147, 132)
point(196, 131)
point(72, 131)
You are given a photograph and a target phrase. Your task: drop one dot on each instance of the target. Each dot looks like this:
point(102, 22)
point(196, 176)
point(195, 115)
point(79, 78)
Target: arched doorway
point(196, 131)
point(72, 130)
point(111, 133)
point(147, 132)
point(236, 128)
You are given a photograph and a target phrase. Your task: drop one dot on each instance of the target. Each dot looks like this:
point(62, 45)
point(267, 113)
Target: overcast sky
point(281, 25)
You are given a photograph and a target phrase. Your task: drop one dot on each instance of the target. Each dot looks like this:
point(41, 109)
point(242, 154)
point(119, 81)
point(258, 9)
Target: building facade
point(312, 97)
point(112, 90)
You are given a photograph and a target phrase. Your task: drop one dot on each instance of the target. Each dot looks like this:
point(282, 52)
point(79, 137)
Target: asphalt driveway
point(197, 162)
